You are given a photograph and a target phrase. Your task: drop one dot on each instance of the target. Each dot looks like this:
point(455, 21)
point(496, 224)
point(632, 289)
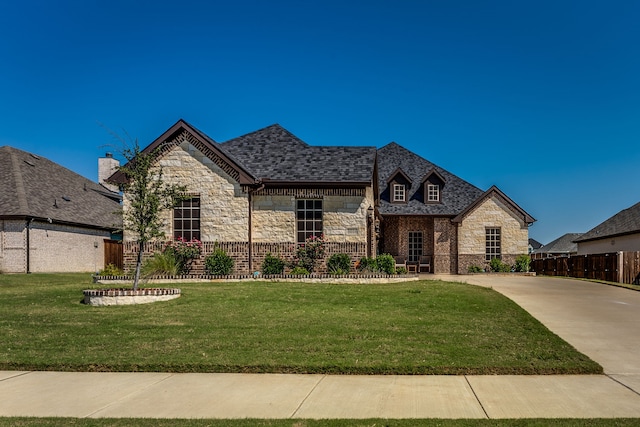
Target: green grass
point(122, 422)
point(427, 327)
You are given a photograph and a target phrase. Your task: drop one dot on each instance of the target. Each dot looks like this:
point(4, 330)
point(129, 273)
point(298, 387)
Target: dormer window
point(433, 193)
point(399, 193)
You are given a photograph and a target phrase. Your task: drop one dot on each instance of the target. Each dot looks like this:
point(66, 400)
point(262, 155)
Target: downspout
point(29, 221)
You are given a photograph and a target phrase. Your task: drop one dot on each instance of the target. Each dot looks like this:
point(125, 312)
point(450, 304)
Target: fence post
point(620, 267)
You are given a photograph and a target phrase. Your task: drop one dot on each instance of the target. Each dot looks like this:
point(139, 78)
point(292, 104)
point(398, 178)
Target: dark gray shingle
point(626, 221)
point(456, 194)
point(33, 186)
point(275, 153)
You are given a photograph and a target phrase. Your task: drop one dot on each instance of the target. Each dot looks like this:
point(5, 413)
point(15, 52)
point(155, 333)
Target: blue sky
point(539, 98)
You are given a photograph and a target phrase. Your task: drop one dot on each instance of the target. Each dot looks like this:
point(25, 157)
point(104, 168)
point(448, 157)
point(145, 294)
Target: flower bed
point(128, 296)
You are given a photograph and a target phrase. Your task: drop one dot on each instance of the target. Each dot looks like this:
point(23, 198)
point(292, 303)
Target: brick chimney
point(107, 165)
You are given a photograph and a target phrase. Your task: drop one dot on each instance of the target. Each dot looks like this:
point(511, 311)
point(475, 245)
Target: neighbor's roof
point(562, 245)
point(33, 186)
point(624, 222)
point(275, 154)
point(456, 194)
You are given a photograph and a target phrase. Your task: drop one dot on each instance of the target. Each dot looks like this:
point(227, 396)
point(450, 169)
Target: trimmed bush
point(475, 269)
point(367, 265)
point(386, 264)
point(272, 265)
point(219, 263)
point(339, 264)
point(497, 266)
point(299, 271)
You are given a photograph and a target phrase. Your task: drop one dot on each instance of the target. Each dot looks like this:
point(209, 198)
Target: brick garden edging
point(312, 278)
point(128, 296)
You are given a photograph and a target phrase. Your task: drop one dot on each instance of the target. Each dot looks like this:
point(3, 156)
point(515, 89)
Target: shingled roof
point(33, 186)
point(275, 154)
point(456, 195)
point(624, 222)
point(564, 244)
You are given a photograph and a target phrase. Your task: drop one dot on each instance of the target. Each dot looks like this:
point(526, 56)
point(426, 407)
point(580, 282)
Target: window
point(415, 246)
point(309, 219)
point(492, 244)
point(186, 219)
point(433, 193)
point(398, 193)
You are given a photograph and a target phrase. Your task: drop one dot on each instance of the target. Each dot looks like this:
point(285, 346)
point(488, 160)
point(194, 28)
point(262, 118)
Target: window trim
point(493, 243)
point(193, 233)
point(433, 189)
point(310, 218)
point(399, 193)
point(415, 248)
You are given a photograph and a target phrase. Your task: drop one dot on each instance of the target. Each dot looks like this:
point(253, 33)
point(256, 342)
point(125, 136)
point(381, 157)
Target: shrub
point(309, 254)
point(219, 263)
point(161, 264)
point(299, 271)
point(367, 265)
point(184, 253)
point(498, 266)
point(272, 265)
point(522, 263)
point(108, 270)
point(475, 269)
point(401, 270)
point(339, 264)
point(386, 263)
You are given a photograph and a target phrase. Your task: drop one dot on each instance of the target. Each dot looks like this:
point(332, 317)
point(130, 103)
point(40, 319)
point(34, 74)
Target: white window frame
point(433, 193)
point(399, 193)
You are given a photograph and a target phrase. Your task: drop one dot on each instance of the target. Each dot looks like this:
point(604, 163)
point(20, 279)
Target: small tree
point(146, 195)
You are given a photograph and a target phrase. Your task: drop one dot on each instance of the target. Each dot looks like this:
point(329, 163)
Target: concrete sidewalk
point(163, 395)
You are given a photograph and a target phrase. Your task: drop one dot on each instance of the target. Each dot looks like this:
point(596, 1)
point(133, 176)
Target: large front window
point(415, 246)
point(309, 219)
point(186, 219)
point(493, 244)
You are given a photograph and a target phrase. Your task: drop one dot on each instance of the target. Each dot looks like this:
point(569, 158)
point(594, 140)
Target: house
point(533, 245)
point(562, 246)
point(619, 233)
point(267, 191)
point(52, 219)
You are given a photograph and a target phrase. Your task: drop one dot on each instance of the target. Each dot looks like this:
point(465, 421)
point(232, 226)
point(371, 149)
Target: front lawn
point(426, 327)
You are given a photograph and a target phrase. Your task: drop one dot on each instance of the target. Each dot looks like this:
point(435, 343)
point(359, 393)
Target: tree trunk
point(136, 278)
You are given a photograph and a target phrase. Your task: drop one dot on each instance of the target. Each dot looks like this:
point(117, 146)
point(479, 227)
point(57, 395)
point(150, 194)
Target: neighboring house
point(620, 233)
point(52, 219)
point(533, 245)
point(562, 246)
point(268, 191)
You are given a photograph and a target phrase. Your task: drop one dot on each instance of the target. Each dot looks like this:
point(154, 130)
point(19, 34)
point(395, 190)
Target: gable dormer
point(432, 186)
point(398, 186)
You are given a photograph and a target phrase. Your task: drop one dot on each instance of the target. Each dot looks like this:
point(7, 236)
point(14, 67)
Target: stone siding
point(472, 234)
point(224, 207)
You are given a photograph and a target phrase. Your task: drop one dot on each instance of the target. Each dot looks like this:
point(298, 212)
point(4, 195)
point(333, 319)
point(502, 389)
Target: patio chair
point(400, 262)
point(425, 262)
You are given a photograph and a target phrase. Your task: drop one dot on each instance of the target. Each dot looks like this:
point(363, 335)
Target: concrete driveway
point(599, 320)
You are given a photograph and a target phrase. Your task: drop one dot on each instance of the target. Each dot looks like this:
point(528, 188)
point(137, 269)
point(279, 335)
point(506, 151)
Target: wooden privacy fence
point(113, 253)
point(621, 267)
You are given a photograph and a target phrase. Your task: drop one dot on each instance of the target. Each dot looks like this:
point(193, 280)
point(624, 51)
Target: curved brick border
point(129, 296)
